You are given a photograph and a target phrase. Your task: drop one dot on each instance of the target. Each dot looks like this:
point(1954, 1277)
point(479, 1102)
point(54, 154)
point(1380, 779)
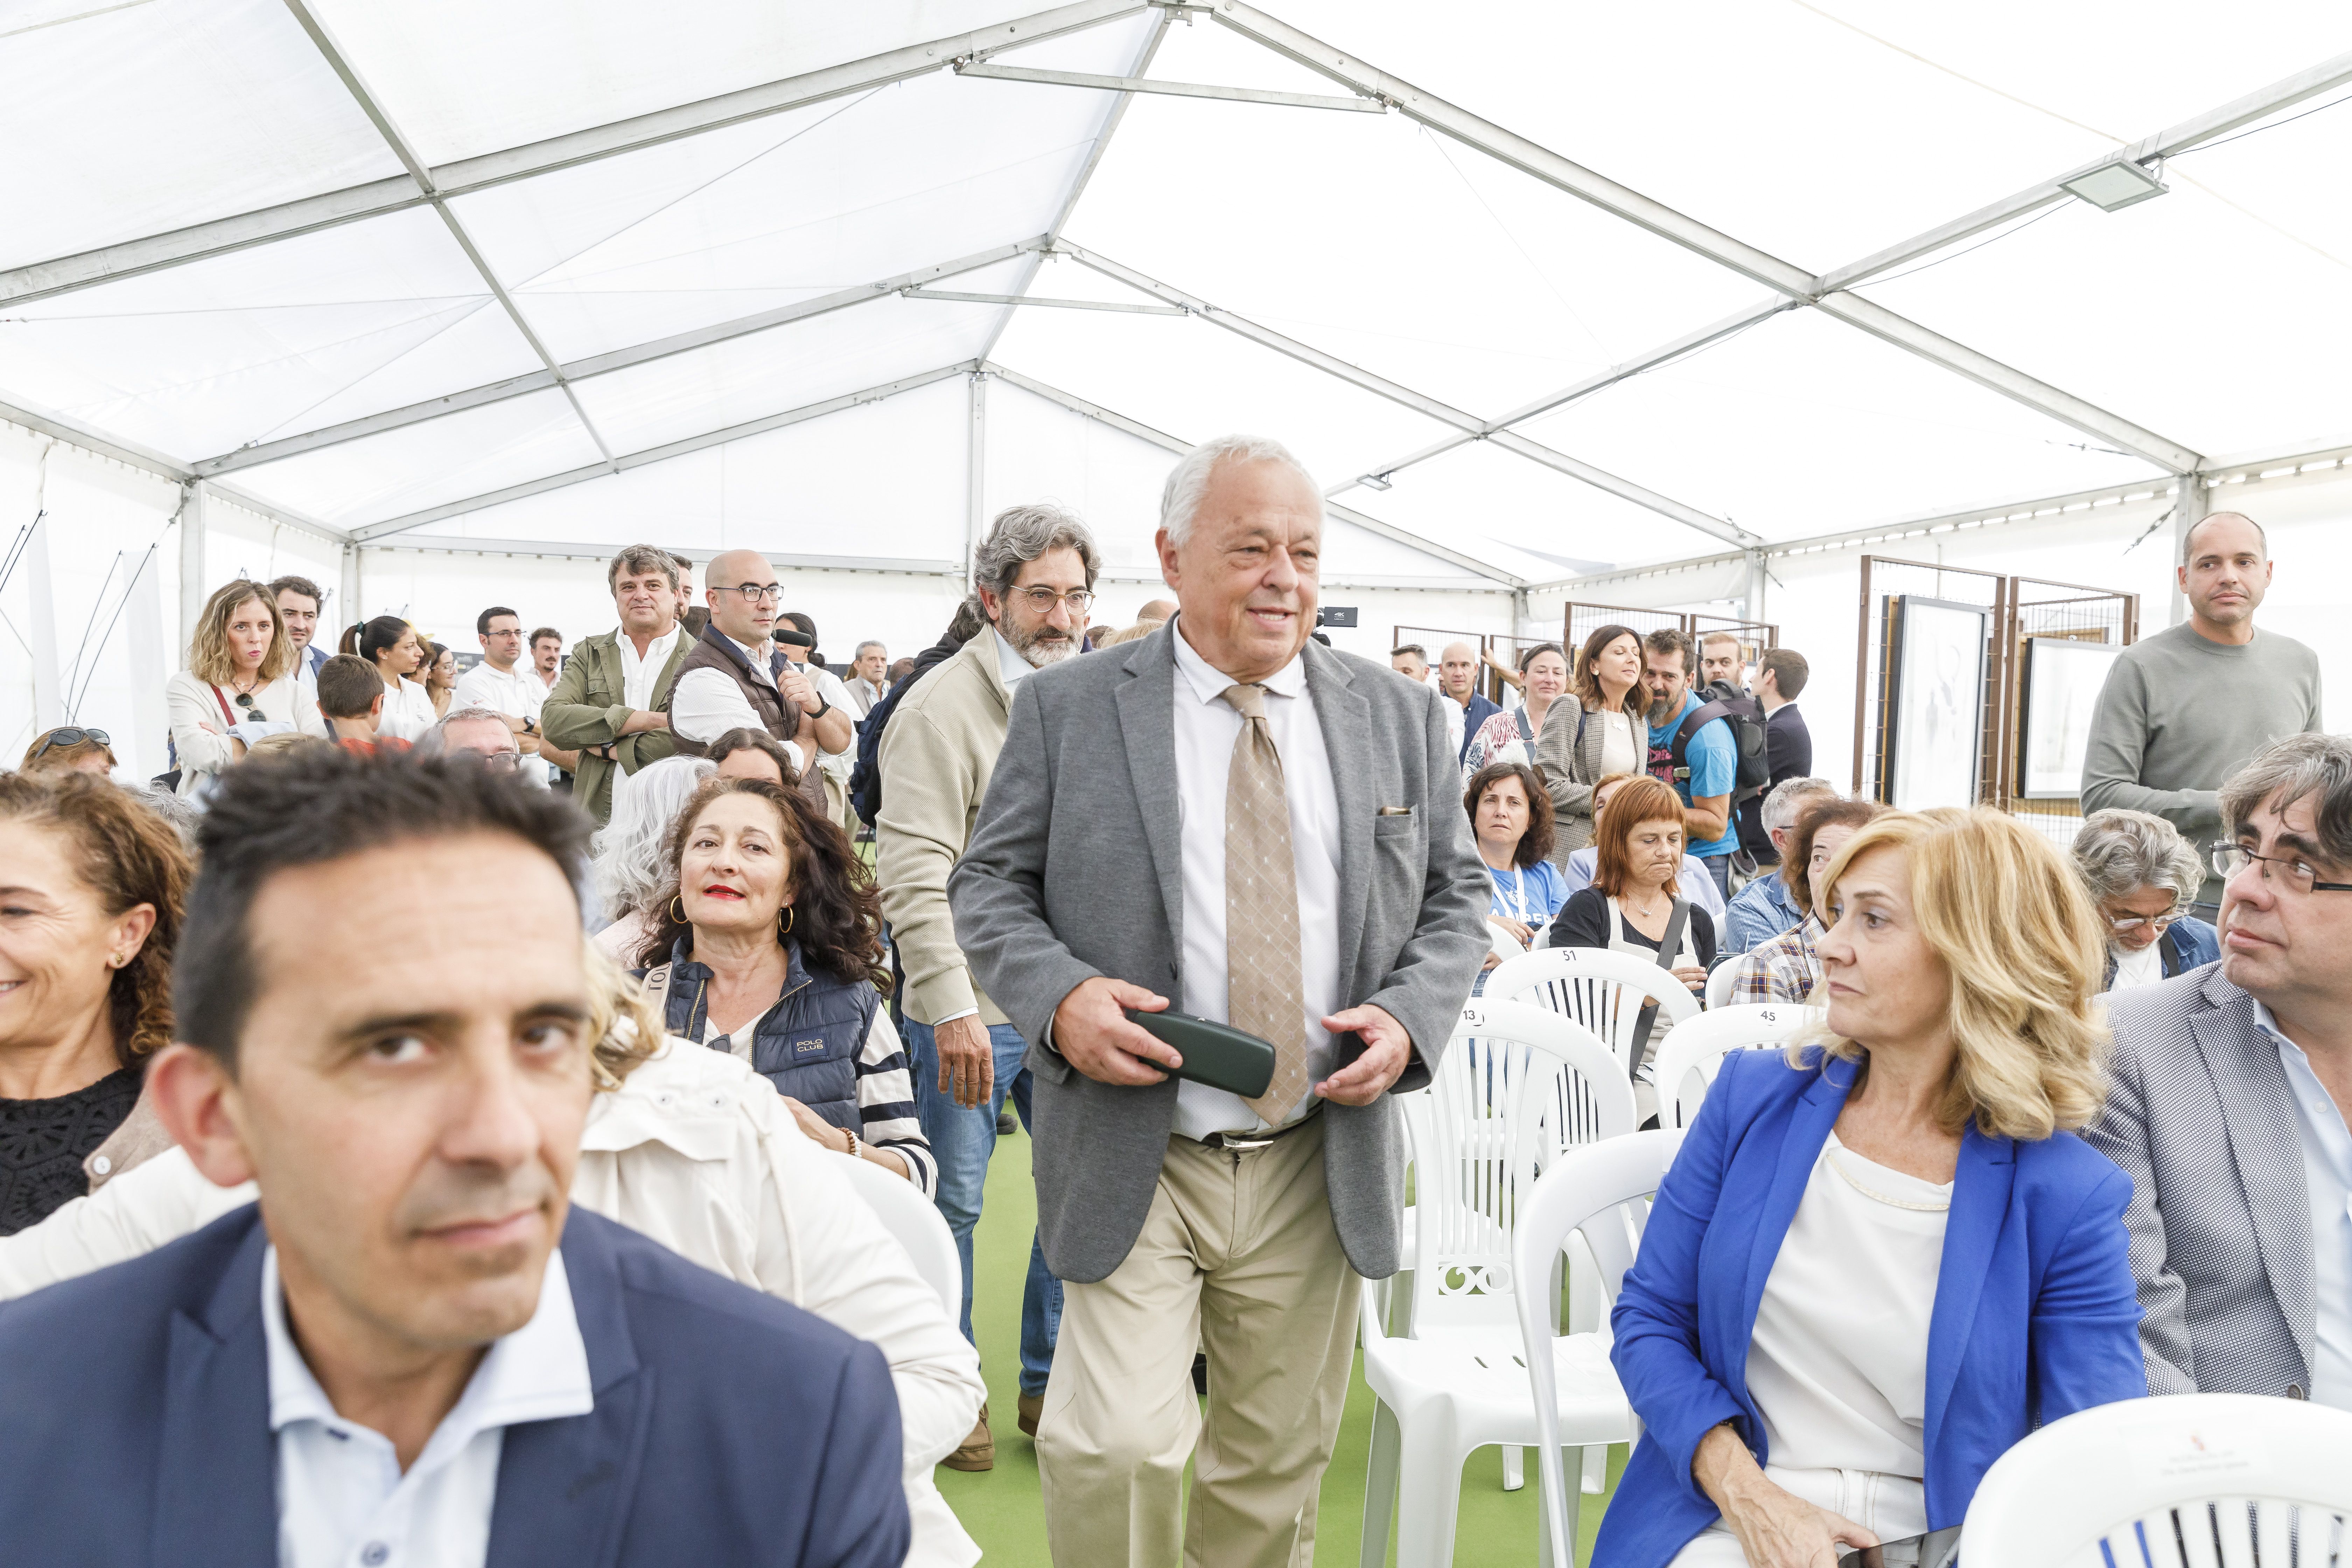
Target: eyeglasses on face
point(2124, 924)
point(1041, 601)
point(754, 592)
point(2294, 871)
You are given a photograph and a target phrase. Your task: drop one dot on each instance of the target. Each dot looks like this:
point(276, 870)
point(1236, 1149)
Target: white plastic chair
point(1719, 979)
point(1516, 1088)
point(917, 1225)
point(1692, 1054)
point(1598, 1194)
point(1601, 990)
point(2195, 1481)
point(1502, 943)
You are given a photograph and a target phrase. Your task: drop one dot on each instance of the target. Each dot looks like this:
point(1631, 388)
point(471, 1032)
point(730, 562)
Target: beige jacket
point(699, 1151)
point(938, 755)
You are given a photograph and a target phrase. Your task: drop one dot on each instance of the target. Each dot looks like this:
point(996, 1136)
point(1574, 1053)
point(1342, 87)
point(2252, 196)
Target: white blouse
point(407, 712)
point(1622, 752)
point(1838, 1365)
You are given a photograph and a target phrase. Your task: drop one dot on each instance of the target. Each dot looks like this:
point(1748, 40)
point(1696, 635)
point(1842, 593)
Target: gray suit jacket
point(2220, 1225)
point(1074, 869)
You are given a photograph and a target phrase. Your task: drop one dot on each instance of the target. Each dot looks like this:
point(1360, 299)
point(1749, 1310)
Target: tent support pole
point(975, 476)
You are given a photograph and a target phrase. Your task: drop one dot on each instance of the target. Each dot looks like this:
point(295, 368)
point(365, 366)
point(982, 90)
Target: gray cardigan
point(1074, 868)
point(1567, 759)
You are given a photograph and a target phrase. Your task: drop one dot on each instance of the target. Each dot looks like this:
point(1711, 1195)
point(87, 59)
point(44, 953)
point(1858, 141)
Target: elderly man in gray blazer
point(1230, 815)
point(2233, 1090)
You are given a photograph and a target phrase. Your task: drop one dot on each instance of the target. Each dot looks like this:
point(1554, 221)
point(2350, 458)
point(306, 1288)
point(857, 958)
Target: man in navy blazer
point(409, 1350)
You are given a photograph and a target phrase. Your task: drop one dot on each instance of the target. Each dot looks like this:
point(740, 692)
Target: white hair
point(1787, 798)
point(1188, 481)
point(627, 866)
point(2119, 851)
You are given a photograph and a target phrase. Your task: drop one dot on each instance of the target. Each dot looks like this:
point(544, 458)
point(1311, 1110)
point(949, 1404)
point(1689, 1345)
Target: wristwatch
point(822, 707)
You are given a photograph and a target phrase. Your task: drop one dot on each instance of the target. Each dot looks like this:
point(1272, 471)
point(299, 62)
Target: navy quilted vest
point(806, 1045)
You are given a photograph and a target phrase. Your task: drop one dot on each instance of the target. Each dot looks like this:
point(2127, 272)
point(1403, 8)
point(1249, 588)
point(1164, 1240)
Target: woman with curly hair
point(1881, 1259)
point(89, 913)
point(768, 945)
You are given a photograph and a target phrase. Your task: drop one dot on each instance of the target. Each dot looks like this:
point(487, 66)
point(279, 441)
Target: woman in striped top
point(768, 945)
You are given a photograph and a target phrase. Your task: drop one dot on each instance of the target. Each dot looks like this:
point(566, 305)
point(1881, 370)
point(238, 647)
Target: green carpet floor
point(1000, 1509)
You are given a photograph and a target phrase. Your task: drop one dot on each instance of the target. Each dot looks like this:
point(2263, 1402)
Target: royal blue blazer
point(729, 1428)
point(2036, 1313)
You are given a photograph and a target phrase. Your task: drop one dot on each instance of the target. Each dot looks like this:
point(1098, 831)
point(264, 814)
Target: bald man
point(2185, 708)
point(1161, 610)
point(734, 679)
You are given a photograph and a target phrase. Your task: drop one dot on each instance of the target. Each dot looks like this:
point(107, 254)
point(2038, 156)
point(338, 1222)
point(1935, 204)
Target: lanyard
point(1519, 892)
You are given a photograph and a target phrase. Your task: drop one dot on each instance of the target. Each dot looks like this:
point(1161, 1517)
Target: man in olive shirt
point(2185, 708)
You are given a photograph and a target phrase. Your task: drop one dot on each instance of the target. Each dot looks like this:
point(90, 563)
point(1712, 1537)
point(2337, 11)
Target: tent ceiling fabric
point(580, 250)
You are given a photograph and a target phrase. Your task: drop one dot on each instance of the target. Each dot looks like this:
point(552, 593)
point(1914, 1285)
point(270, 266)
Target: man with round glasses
point(2232, 1087)
point(2144, 876)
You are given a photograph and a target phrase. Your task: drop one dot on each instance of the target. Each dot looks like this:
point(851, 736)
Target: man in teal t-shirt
point(1711, 760)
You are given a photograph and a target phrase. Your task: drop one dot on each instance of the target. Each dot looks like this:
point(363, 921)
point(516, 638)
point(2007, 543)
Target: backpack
point(1745, 714)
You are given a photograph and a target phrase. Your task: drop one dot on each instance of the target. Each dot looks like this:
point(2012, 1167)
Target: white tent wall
point(89, 616)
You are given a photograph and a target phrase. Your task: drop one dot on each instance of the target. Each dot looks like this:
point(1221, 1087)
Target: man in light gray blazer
point(1230, 816)
point(2233, 1090)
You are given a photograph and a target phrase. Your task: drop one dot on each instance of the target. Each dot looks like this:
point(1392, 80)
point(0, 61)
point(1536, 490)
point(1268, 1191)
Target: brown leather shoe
point(979, 1450)
point(1031, 1407)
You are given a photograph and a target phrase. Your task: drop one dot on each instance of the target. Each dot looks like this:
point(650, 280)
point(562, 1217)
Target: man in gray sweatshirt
point(2185, 708)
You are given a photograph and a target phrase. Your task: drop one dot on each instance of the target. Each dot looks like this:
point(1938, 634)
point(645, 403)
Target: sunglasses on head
point(70, 738)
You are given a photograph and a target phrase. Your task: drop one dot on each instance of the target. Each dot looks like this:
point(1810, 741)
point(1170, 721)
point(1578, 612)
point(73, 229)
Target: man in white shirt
point(414, 1349)
point(2232, 1087)
point(547, 655)
point(869, 680)
point(713, 697)
point(501, 683)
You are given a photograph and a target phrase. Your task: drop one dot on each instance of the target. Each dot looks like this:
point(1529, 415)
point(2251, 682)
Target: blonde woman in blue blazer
point(1880, 1260)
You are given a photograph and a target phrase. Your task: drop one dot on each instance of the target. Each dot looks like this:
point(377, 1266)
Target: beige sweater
point(938, 754)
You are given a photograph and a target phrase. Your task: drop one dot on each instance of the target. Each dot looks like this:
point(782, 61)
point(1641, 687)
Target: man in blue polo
point(1708, 766)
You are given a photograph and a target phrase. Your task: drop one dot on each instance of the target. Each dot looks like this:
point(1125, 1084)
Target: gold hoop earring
point(676, 910)
point(786, 929)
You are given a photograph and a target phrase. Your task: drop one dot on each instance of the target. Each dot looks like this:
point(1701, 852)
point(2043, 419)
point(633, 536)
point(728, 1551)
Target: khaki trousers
point(1240, 1256)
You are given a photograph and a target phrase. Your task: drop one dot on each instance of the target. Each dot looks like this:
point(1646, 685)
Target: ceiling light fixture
point(2111, 187)
point(1374, 482)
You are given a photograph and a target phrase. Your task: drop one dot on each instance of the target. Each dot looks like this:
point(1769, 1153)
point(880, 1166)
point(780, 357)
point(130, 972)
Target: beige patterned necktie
point(1264, 991)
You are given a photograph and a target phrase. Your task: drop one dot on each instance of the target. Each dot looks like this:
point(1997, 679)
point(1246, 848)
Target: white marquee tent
point(438, 303)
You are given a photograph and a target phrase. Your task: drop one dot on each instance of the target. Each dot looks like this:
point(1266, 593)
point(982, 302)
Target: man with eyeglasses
point(2144, 876)
point(732, 679)
point(480, 732)
point(2232, 1085)
point(1034, 576)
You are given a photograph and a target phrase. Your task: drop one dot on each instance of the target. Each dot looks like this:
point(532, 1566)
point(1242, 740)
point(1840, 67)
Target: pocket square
point(1396, 811)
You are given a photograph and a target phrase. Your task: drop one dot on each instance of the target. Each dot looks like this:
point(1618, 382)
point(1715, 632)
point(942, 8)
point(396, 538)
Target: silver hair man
point(2312, 766)
point(2117, 852)
point(1019, 535)
point(1188, 481)
point(1788, 799)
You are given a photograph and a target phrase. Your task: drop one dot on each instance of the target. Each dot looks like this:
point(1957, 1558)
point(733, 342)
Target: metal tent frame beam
point(594, 365)
point(1783, 278)
point(1471, 425)
point(152, 253)
point(348, 74)
point(1171, 88)
point(1168, 443)
point(623, 464)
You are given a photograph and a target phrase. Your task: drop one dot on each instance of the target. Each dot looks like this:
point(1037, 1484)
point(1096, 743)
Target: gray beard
point(1663, 709)
point(1037, 651)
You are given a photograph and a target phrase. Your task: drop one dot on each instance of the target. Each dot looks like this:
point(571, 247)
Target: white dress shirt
point(2327, 1176)
point(705, 704)
point(343, 1499)
point(1207, 728)
point(638, 675)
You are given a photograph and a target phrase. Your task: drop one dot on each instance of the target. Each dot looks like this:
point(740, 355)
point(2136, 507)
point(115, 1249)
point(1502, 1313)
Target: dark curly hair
point(130, 856)
point(1535, 843)
point(838, 918)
